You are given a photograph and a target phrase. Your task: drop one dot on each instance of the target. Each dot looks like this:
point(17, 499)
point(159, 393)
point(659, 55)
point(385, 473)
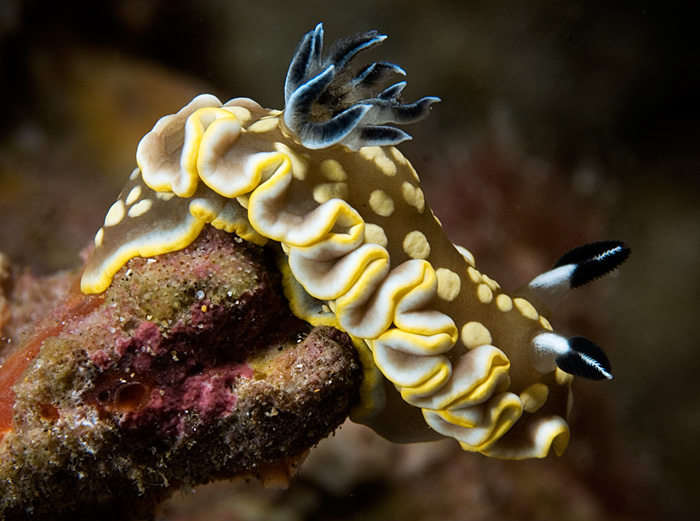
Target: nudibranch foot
point(445, 350)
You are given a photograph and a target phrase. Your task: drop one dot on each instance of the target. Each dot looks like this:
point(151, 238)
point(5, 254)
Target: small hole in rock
point(49, 412)
point(131, 397)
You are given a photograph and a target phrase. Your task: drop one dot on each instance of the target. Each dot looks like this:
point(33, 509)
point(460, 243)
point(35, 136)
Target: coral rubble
point(189, 368)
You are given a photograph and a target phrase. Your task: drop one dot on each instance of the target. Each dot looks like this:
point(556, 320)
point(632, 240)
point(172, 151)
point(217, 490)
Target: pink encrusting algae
point(165, 381)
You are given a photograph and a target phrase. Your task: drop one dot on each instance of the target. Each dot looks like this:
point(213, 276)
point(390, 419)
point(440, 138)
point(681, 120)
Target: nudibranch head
point(446, 352)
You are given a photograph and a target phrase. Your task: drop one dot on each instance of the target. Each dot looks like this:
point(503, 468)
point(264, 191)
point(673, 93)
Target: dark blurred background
point(561, 122)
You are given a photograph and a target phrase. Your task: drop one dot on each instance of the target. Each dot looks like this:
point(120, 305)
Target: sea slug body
point(447, 352)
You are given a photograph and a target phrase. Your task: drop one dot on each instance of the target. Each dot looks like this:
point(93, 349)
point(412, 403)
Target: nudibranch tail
point(326, 105)
point(446, 351)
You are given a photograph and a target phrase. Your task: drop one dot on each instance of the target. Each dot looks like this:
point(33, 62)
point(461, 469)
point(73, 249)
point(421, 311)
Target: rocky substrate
point(189, 368)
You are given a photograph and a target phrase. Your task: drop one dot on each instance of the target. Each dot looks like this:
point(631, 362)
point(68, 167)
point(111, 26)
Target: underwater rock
point(189, 368)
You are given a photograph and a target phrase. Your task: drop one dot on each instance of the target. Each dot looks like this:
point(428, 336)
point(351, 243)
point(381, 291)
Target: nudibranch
point(446, 352)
